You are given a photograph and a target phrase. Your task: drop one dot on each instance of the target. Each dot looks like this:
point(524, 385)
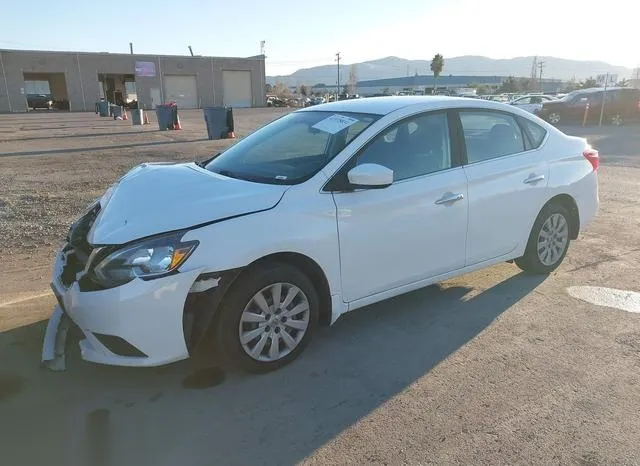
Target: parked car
point(317, 100)
point(35, 101)
point(621, 104)
point(276, 102)
point(532, 103)
point(327, 209)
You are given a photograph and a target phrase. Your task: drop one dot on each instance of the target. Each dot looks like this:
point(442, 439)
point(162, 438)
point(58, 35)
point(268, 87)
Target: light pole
point(338, 87)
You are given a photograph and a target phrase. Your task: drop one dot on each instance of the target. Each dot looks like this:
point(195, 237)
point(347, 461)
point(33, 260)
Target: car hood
point(155, 198)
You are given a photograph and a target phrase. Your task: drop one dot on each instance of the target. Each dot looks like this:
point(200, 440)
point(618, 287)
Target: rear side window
point(534, 132)
point(489, 135)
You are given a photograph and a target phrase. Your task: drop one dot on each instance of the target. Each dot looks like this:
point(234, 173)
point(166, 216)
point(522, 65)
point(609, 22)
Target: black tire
point(226, 331)
point(531, 262)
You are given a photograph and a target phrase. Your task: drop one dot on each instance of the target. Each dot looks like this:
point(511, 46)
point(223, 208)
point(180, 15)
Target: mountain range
point(468, 65)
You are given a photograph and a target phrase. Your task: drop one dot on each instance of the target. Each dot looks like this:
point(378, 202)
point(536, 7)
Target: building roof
point(117, 54)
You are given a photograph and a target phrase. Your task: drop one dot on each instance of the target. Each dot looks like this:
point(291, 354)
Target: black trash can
point(137, 117)
point(116, 111)
point(216, 120)
point(167, 116)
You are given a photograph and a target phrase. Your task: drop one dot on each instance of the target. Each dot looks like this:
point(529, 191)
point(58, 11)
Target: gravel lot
point(490, 368)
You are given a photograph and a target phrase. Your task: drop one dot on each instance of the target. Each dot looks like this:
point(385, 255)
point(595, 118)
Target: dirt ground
point(490, 368)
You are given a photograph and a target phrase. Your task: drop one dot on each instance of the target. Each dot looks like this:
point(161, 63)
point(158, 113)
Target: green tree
point(589, 83)
point(281, 90)
point(571, 85)
point(437, 64)
point(268, 88)
point(509, 85)
point(305, 90)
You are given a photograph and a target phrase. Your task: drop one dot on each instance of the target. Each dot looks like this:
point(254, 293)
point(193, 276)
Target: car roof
point(386, 105)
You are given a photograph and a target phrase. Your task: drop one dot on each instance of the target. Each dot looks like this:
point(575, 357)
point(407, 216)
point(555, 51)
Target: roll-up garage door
point(236, 87)
point(181, 89)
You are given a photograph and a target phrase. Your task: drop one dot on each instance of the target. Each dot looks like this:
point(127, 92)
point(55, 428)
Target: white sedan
point(532, 103)
point(325, 210)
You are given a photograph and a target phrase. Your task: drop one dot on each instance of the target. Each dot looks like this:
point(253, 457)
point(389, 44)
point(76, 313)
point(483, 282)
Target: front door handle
point(534, 179)
point(450, 198)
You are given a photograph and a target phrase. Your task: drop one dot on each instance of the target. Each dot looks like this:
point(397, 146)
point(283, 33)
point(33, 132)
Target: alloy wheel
point(274, 322)
point(553, 239)
point(554, 118)
point(616, 120)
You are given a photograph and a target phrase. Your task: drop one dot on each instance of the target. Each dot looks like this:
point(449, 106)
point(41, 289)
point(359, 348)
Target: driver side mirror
point(370, 176)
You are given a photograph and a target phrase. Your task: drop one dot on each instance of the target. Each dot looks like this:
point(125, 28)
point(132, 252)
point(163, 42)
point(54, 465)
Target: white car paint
point(524, 102)
point(370, 244)
point(144, 202)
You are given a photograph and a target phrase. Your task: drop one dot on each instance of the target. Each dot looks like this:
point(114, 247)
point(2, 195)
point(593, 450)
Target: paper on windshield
point(334, 124)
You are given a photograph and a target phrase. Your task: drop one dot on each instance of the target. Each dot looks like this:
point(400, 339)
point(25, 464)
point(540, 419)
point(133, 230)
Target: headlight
point(146, 259)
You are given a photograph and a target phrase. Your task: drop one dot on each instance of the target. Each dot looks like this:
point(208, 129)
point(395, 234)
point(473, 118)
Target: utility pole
point(604, 97)
point(541, 66)
point(338, 88)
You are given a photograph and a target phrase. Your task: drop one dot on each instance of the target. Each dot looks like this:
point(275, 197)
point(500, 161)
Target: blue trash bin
point(167, 116)
point(216, 120)
point(103, 108)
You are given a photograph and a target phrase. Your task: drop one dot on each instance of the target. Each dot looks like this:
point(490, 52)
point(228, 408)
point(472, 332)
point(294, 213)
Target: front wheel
point(548, 242)
point(267, 318)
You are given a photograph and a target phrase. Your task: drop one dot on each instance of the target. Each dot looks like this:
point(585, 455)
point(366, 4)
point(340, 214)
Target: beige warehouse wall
point(81, 75)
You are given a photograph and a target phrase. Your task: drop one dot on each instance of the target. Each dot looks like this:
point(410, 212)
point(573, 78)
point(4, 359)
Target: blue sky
point(302, 34)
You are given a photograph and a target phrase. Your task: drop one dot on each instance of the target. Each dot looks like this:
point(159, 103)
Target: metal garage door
point(236, 87)
point(181, 89)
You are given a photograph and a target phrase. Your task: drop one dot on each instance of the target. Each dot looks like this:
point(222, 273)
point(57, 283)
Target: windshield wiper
point(203, 163)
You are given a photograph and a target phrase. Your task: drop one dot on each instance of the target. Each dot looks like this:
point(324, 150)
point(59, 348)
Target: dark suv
point(39, 101)
point(621, 104)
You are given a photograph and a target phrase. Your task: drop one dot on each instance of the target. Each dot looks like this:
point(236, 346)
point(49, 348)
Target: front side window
point(291, 149)
point(490, 134)
point(413, 147)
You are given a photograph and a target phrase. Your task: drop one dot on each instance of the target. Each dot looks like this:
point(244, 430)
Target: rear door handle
point(450, 198)
point(534, 179)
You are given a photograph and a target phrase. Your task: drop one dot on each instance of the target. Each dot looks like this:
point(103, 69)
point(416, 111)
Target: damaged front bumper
point(55, 341)
point(138, 324)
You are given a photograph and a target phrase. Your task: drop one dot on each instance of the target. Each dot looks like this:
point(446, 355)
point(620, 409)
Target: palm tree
point(436, 67)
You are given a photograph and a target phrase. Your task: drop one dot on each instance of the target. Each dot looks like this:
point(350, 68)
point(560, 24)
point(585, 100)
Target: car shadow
point(103, 415)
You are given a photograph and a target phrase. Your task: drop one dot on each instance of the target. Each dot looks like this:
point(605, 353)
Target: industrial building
point(426, 83)
point(75, 81)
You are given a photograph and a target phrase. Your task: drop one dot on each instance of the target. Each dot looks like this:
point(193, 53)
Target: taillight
point(593, 157)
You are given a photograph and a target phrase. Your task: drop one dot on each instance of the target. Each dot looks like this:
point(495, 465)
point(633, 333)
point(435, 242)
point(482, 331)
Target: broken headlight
point(146, 259)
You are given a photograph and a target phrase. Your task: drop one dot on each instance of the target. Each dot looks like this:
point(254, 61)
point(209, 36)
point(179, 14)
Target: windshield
point(571, 95)
point(291, 149)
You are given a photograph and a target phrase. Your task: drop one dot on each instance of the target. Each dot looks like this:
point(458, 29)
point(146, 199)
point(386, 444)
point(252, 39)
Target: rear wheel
point(267, 318)
point(554, 118)
point(548, 242)
point(617, 120)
